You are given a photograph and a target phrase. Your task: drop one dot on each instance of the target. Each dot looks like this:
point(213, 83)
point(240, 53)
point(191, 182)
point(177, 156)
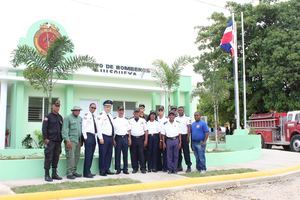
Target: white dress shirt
point(138, 128)
point(184, 122)
point(171, 129)
point(162, 121)
point(121, 125)
point(103, 125)
point(88, 124)
point(153, 127)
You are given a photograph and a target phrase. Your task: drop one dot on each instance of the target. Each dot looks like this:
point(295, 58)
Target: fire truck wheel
point(264, 145)
point(295, 143)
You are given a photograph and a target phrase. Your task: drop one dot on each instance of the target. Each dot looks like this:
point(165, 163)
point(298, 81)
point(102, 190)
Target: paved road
point(285, 188)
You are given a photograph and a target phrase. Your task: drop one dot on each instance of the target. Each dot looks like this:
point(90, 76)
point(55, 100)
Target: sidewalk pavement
point(270, 160)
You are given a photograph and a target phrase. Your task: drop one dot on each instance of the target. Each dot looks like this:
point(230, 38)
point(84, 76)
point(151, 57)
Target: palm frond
point(70, 64)
point(58, 49)
point(28, 56)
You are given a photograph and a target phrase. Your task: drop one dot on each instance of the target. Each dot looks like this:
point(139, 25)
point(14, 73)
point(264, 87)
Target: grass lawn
point(219, 172)
point(73, 185)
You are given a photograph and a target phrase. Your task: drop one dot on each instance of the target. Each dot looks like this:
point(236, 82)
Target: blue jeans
point(199, 152)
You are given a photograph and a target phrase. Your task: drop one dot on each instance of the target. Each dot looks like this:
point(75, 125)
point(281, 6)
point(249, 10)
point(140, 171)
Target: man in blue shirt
point(199, 134)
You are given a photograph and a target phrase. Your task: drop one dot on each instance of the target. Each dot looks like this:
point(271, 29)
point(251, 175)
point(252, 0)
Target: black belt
point(153, 134)
point(122, 136)
point(107, 135)
point(137, 136)
point(172, 138)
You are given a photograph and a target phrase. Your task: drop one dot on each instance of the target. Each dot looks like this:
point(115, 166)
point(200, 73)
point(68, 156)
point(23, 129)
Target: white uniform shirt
point(161, 122)
point(103, 125)
point(171, 129)
point(153, 127)
point(138, 128)
point(184, 122)
point(88, 124)
point(121, 125)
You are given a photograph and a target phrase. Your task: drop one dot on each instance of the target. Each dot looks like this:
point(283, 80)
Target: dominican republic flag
point(227, 39)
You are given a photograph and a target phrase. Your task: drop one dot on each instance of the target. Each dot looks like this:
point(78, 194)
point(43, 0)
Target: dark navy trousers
point(137, 152)
point(121, 147)
point(105, 153)
point(152, 153)
point(89, 149)
point(186, 151)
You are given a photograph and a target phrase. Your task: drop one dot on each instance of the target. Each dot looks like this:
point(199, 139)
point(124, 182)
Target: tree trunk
point(216, 124)
point(169, 102)
point(50, 93)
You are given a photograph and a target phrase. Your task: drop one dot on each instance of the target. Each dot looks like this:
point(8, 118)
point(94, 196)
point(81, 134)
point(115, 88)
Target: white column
point(3, 105)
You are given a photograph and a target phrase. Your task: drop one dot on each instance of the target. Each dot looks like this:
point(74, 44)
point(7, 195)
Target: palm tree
point(168, 77)
point(43, 71)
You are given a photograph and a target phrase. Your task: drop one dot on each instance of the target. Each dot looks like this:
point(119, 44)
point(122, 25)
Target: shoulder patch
point(101, 113)
point(46, 119)
point(177, 121)
point(115, 117)
point(86, 114)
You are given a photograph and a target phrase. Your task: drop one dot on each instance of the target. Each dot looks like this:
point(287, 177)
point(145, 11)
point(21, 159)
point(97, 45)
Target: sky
point(124, 32)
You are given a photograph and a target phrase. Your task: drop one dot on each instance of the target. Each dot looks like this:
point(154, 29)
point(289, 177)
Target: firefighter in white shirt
point(172, 141)
point(89, 131)
point(139, 141)
point(185, 127)
point(121, 141)
point(153, 127)
point(162, 153)
point(105, 134)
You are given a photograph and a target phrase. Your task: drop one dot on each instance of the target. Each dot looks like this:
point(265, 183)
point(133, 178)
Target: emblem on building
point(46, 35)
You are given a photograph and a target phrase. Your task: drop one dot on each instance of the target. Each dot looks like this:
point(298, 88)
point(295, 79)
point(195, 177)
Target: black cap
point(152, 112)
point(141, 106)
point(172, 113)
point(56, 103)
point(173, 107)
point(108, 102)
point(120, 108)
point(161, 108)
point(136, 110)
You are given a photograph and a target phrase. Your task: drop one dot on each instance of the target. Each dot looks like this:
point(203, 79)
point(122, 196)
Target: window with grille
point(38, 108)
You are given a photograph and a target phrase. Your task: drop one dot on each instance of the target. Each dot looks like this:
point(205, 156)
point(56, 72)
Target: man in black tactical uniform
point(52, 127)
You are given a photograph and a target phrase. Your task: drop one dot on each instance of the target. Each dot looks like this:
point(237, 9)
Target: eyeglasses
point(93, 107)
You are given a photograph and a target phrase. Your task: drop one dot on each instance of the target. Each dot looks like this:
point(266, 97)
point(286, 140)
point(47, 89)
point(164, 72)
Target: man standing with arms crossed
point(71, 134)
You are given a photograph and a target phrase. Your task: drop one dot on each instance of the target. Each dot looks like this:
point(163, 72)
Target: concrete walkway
point(270, 160)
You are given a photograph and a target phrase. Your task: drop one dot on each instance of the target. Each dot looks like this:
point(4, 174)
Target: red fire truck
point(282, 129)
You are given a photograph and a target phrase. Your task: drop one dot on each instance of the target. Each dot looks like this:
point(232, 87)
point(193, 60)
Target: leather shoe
point(103, 174)
point(89, 176)
point(77, 175)
point(48, 179)
point(134, 171)
point(71, 177)
point(143, 171)
point(108, 172)
point(118, 172)
point(125, 172)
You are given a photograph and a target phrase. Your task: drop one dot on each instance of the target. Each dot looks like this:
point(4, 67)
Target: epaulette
point(127, 118)
point(115, 118)
point(178, 121)
point(101, 113)
point(86, 114)
point(165, 122)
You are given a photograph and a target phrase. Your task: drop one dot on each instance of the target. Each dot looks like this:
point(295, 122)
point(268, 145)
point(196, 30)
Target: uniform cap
point(141, 106)
point(108, 102)
point(76, 108)
point(120, 108)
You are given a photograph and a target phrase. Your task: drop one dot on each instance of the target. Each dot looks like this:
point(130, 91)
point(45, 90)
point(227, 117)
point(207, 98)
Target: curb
point(151, 186)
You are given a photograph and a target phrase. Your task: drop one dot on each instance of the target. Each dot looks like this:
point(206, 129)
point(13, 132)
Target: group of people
point(156, 142)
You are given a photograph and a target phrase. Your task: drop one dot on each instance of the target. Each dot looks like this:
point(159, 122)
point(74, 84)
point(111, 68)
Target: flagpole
point(236, 84)
point(244, 72)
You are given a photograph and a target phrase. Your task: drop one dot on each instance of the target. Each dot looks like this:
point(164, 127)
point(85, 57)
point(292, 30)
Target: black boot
point(55, 175)
point(47, 176)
